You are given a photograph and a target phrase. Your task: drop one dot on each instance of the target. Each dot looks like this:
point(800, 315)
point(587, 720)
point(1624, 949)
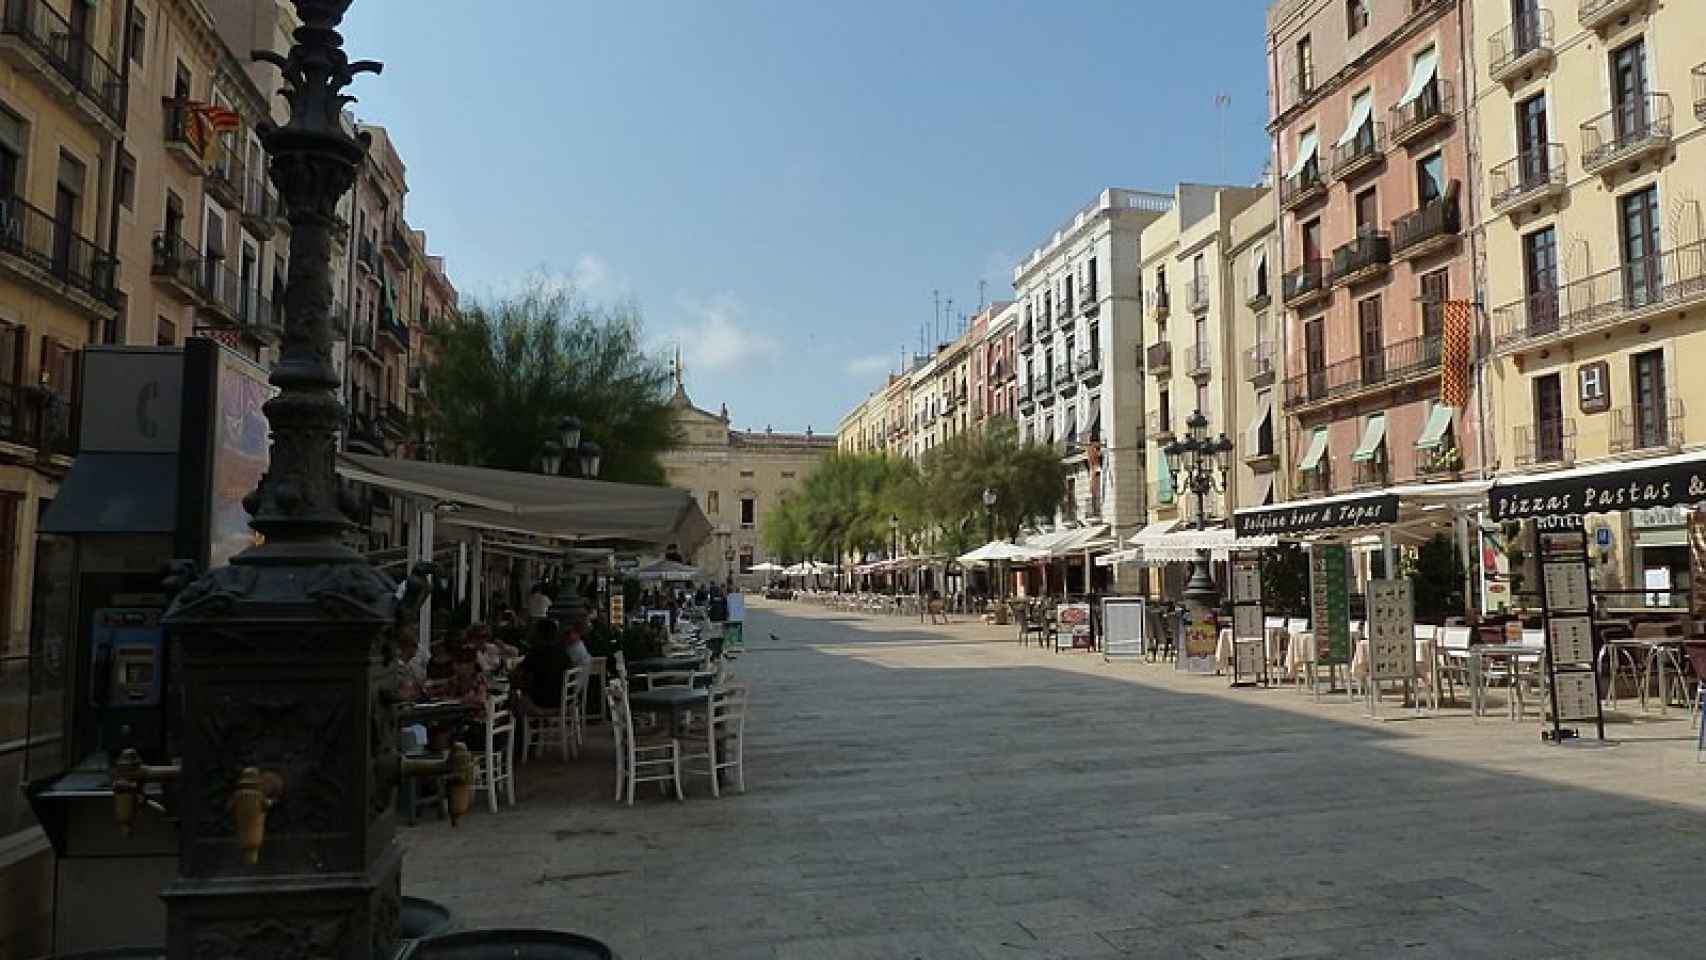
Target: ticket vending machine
point(159, 477)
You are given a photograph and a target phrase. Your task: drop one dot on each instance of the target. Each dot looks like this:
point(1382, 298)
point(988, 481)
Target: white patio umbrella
point(998, 550)
point(766, 567)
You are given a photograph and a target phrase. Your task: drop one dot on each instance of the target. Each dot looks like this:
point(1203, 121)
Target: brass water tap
point(458, 767)
point(130, 777)
point(255, 794)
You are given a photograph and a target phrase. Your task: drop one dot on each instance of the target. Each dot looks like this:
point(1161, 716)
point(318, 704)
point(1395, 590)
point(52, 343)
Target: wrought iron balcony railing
point(1527, 177)
point(1544, 442)
point(1304, 186)
point(1647, 426)
point(1259, 361)
point(1670, 279)
point(1426, 227)
point(1521, 45)
point(44, 31)
point(52, 247)
point(225, 174)
point(1368, 254)
point(1394, 364)
point(1626, 132)
point(1430, 110)
point(1595, 14)
point(1159, 358)
point(1199, 360)
point(1305, 282)
point(1197, 294)
point(1363, 152)
point(1160, 303)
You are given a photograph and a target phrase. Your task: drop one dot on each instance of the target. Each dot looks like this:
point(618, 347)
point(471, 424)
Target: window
point(14, 347)
point(748, 511)
point(126, 180)
point(746, 558)
point(174, 225)
point(1642, 279)
point(1430, 178)
point(1532, 127)
point(1548, 419)
point(1540, 280)
point(746, 474)
point(1592, 387)
point(1305, 67)
point(713, 502)
point(1356, 17)
point(14, 146)
point(1202, 398)
point(787, 474)
point(68, 192)
point(1091, 288)
point(138, 39)
point(1259, 272)
point(1367, 212)
point(1315, 356)
point(1370, 340)
point(1436, 290)
point(165, 332)
point(1647, 388)
point(1164, 409)
point(1312, 241)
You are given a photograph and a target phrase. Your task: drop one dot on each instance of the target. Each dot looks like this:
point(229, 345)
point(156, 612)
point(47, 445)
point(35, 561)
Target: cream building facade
point(737, 476)
point(1079, 328)
point(1190, 343)
point(1591, 122)
point(1256, 364)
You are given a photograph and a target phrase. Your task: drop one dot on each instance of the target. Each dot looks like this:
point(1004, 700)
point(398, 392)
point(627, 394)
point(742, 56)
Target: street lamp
point(1202, 463)
point(553, 454)
point(894, 552)
point(989, 498)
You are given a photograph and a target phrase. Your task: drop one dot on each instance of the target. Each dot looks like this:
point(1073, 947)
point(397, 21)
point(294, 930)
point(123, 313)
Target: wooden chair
point(651, 759)
point(544, 726)
point(495, 765)
point(724, 737)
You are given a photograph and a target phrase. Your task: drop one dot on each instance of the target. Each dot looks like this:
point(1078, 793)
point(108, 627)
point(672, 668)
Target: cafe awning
point(1253, 432)
point(1317, 449)
point(1373, 435)
point(1152, 533)
point(534, 505)
point(1187, 545)
point(1362, 107)
point(1306, 146)
point(1263, 495)
point(1422, 72)
point(1670, 481)
point(1438, 425)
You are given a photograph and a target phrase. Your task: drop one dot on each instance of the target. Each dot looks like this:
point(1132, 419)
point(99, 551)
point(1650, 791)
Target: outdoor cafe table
point(678, 700)
point(1511, 654)
point(663, 664)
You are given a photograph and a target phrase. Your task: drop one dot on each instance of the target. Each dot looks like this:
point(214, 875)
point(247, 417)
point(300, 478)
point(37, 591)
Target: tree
point(1285, 580)
point(508, 370)
point(784, 531)
point(1028, 479)
point(1439, 576)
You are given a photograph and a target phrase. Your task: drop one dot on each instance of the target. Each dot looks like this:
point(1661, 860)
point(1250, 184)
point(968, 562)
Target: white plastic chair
point(654, 759)
point(495, 765)
point(543, 728)
point(1453, 657)
point(1427, 633)
point(724, 732)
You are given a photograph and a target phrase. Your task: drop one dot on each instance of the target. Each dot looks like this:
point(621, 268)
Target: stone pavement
point(941, 793)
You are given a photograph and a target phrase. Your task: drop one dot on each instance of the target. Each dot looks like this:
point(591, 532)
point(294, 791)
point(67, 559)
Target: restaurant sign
point(1311, 517)
point(1635, 488)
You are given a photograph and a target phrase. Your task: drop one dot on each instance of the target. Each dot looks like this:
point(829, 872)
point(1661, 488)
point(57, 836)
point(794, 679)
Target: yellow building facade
point(1590, 117)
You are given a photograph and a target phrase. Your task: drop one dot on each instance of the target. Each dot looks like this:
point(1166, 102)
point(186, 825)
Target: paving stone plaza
point(940, 792)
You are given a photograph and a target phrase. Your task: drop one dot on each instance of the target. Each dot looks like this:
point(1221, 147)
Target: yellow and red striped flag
point(1454, 353)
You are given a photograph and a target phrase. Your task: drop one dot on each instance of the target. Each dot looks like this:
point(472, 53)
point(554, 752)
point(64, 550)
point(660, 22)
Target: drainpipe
point(109, 158)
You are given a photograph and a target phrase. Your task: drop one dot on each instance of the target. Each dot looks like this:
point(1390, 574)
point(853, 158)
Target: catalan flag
point(1454, 353)
point(221, 119)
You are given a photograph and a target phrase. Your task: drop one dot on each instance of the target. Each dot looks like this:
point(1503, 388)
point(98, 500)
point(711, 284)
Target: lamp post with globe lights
point(1202, 463)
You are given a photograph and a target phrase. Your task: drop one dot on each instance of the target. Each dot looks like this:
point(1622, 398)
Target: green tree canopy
point(509, 369)
point(783, 532)
point(1029, 482)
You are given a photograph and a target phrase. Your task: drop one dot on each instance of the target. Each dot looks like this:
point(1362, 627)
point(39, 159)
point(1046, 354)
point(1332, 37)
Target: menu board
point(1247, 622)
point(1246, 581)
point(1247, 657)
point(1578, 695)
point(1566, 585)
point(1330, 602)
point(1572, 639)
point(1123, 622)
point(1072, 627)
point(1392, 629)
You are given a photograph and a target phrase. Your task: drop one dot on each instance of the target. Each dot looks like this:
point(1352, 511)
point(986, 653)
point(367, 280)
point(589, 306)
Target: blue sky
point(780, 185)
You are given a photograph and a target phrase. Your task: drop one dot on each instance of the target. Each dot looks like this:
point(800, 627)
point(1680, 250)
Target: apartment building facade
point(1190, 358)
point(1077, 345)
point(1256, 364)
point(995, 394)
point(1591, 121)
point(1371, 140)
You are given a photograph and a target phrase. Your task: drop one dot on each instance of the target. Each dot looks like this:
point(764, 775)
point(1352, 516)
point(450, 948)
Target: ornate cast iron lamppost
point(1202, 462)
point(567, 609)
point(289, 752)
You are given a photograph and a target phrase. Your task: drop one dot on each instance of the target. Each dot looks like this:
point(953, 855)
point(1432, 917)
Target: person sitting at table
point(491, 652)
point(442, 665)
point(411, 676)
point(540, 676)
point(467, 684)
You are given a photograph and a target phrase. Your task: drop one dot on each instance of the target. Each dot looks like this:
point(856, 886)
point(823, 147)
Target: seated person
point(467, 684)
point(442, 664)
point(411, 676)
point(540, 676)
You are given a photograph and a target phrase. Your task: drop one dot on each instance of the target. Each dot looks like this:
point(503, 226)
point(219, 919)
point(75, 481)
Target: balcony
point(1364, 258)
point(1065, 315)
point(1027, 342)
point(185, 135)
point(220, 291)
point(1371, 474)
point(1199, 360)
point(1596, 14)
point(1528, 178)
point(1088, 301)
point(50, 254)
point(1544, 443)
point(262, 212)
point(1159, 359)
point(1644, 427)
point(1365, 152)
point(1305, 283)
point(259, 318)
point(1673, 279)
point(1196, 294)
point(1160, 304)
point(1314, 483)
point(390, 326)
point(37, 39)
point(1260, 296)
point(1027, 394)
point(394, 421)
point(1304, 187)
point(1089, 364)
point(365, 256)
point(1430, 228)
point(361, 340)
point(1065, 378)
point(1524, 45)
point(1259, 363)
point(1395, 365)
point(1160, 426)
point(1627, 132)
point(1042, 386)
point(225, 176)
point(1699, 77)
point(177, 266)
point(38, 417)
point(397, 243)
point(1431, 110)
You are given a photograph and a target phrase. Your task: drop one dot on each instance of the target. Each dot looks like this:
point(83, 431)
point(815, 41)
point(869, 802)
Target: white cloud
point(718, 335)
point(595, 279)
point(870, 364)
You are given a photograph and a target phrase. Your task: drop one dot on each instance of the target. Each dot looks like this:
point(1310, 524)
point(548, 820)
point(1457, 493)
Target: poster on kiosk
point(160, 475)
